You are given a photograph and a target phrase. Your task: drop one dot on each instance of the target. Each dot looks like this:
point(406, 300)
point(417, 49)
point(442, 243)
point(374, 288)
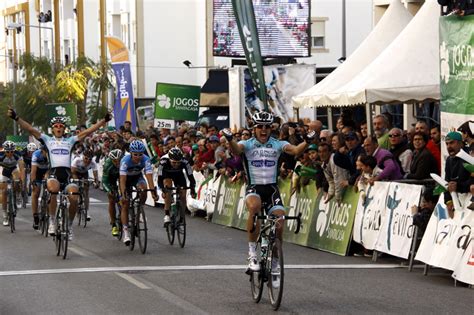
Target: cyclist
point(59, 148)
point(110, 177)
point(80, 167)
point(39, 168)
point(131, 169)
point(13, 168)
point(261, 165)
point(170, 170)
point(27, 156)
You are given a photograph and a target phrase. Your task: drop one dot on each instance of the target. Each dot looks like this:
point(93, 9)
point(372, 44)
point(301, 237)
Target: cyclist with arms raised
point(131, 169)
point(59, 149)
point(110, 177)
point(261, 165)
point(170, 171)
point(39, 168)
point(13, 168)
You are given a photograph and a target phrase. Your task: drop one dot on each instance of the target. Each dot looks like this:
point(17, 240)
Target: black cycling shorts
point(40, 172)
point(177, 177)
point(269, 195)
point(62, 174)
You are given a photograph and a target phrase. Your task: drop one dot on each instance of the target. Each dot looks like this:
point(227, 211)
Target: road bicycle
point(82, 210)
point(26, 188)
point(177, 224)
point(137, 224)
point(11, 202)
point(118, 214)
point(44, 209)
point(61, 234)
point(271, 262)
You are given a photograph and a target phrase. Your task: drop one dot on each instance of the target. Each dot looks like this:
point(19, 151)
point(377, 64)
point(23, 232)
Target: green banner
point(20, 141)
point(241, 213)
point(284, 185)
point(177, 102)
point(331, 225)
point(67, 110)
point(457, 64)
point(227, 202)
point(245, 17)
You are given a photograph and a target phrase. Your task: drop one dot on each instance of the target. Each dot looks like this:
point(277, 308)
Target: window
point(318, 33)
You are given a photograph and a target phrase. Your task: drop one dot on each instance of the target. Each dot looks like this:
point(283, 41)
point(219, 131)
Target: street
point(101, 276)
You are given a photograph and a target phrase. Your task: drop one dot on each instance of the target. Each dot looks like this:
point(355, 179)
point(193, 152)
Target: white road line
point(78, 251)
point(186, 268)
point(132, 280)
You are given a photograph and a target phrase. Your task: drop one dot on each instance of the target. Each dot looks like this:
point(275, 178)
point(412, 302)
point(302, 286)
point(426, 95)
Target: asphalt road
point(101, 276)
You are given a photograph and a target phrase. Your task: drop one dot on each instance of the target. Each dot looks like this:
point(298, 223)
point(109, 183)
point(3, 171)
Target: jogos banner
point(177, 102)
point(456, 74)
point(124, 107)
point(66, 110)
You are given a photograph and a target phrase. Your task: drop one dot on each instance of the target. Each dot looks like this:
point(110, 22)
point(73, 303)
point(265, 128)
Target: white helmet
point(262, 118)
point(31, 147)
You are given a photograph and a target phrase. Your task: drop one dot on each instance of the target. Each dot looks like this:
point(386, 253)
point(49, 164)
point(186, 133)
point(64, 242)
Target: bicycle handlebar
point(274, 217)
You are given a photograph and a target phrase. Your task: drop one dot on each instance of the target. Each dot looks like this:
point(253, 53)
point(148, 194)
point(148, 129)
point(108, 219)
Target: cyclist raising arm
point(261, 166)
point(59, 149)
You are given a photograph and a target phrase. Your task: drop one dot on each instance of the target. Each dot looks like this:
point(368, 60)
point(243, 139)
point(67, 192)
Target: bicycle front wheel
point(132, 226)
point(171, 229)
point(276, 279)
point(64, 232)
point(141, 229)
point(257, 280)
point(181, 230)
point(11, 213)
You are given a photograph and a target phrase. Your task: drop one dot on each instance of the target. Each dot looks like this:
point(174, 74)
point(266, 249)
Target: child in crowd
point(367, 164)
point(422, 214)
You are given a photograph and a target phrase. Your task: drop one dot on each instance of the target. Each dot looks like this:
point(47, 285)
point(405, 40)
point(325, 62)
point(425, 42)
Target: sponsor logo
point(60, 151)
point(444, 58)
point(178, 102)
point(264, 153)
point(263, 163)
point(60, 110)
point(164, 101)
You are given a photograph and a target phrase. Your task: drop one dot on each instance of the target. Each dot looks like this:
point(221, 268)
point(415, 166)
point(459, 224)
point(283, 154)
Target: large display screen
point(283, 28)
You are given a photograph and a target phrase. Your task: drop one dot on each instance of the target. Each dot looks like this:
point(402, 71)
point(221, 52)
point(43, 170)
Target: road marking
point(78, 251)
point(186, 268)
point(132, 280)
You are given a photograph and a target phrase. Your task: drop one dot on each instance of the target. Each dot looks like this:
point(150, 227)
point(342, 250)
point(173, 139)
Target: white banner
point(370, 215)
point(396, 232)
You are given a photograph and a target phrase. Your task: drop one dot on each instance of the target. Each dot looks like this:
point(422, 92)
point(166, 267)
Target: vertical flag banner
point(124, 107)
point(245, 16)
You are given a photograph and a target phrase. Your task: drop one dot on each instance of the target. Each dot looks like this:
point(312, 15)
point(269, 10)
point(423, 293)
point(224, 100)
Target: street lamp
point(14, 26)
point(14, 91)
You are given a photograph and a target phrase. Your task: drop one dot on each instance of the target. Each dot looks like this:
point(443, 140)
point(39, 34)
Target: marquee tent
point(395, 19)
point(406, 71)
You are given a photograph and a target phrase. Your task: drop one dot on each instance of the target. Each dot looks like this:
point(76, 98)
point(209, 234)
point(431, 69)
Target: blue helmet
point(137, 146)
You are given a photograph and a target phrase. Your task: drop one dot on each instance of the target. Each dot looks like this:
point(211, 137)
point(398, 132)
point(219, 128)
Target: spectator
point(211, 131)
point(422, 214)
point(325, 136)
point(368, 169)
point(380, 125)
point(335, 174)
point(385, 161)
point(127, 124)
point(246, 134)
point(467, 136)
point(430, 145)
point(315, 125)
point(456, 175)
point(435, 135)
point(400, 150)
point(324, 153)
point(458, 7)
point(355, 150)
point(423, 162)
point(363, 131)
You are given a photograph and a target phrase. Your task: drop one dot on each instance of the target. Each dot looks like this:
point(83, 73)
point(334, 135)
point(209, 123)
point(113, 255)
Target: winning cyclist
point(59, 149)
point(110, 177)
point(261, 166)
point(170, 171)
point(13, 168)
point(39, 168)
point(131, 169)
point(80, 170)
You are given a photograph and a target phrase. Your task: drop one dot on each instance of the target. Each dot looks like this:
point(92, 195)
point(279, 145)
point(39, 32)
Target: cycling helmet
point(115, 154)
point(175, 154)
point(262, 118)
point(9, 145)
point(58, 120)
point(31, 147)
point(88, 153)
point(136, 146)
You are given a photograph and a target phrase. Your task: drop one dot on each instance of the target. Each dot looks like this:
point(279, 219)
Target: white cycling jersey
point(59, 150)
point(82, 167)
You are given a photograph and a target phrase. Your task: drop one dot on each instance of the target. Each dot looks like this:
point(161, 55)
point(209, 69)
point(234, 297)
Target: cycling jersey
point(81, 167)
point(40, 160)
point(166, 170)
point(59, 150)
point(26, 158)
point(110, 175)
point(9, 164)
point(129, 168)
point(261, 160)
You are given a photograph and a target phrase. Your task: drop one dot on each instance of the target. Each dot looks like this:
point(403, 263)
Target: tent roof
point(395, 19)
point(407, 70)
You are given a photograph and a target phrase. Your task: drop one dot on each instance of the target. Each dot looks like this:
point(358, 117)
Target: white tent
point(395, 19)
point(407, 70)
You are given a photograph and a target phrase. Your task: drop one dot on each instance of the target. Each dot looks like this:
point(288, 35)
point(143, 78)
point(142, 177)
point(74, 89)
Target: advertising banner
point(66, 110)
point(245, 17)
point(176, 102)
point(331, 227)
point(240, 218)
point(284, 185)
point(124, 107)
point(396, 231)
point(20, 141)
point(370, 215)
point(227, 201)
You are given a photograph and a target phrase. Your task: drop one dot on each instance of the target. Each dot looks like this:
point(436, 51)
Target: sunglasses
point(246, 134)
point(137, 154)
point(263, 126)
point(394, 136)
point(9, 151)
point(58, 126)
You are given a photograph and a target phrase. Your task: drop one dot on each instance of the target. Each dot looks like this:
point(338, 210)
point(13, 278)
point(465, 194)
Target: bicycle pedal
point(88, 218)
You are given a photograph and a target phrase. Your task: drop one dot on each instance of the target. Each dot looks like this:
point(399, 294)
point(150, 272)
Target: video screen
point(283, 28)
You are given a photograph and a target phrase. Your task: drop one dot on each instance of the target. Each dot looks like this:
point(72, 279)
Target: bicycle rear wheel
point(131, 226)
point(257, 280)
point(18, 199)
point(64, 233)
point(171, 229)
point(141, 229)
point(181, 230)
point(11, 213)
point(276, 278)
point(57, 233)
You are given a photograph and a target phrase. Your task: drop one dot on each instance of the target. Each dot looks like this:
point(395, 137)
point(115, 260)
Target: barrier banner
point(227, 202)
point(370, 215)
point(210, 194)
point(331, 227)
point(284, 185)
point(305, 204)
point(241, 215)
point(464, 271)
point(396, 232)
